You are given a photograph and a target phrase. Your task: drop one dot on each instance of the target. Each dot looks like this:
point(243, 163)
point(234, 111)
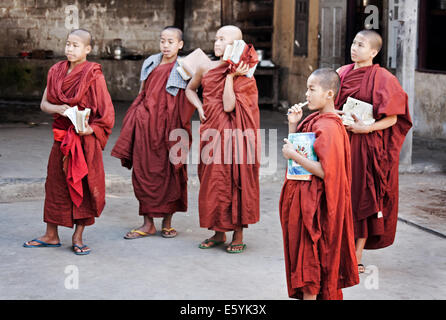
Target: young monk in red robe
point(316, 215)
point(160, 185)
point(229, 189)
point(375, 148)
point(75, 184)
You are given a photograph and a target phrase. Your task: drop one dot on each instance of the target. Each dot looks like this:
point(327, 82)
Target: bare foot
point(237, 242)
point(211, 242)
point(147, 228)
point(167, 230)
point(45, 238)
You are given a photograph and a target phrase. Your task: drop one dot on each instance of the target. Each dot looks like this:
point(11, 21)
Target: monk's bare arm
point(191, 92)
point(229, 94)
point(360, 128)
point(311, 166)
point(229, 97)
point(384, 123)
point(50, 108)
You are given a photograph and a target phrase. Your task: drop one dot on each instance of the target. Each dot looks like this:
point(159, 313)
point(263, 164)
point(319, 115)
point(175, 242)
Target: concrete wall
point(44, 24)
point(294, 69)
point(26, 78)
point(202, 20)
point(26, 25)
point(430, 105)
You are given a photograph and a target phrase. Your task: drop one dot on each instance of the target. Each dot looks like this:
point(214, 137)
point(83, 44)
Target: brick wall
point(26, 25)
point(202, 20)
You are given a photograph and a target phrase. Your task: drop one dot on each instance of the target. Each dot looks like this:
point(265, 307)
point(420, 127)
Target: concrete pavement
point(157, 268)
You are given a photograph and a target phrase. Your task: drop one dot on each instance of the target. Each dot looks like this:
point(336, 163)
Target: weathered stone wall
point(27, 25)
point(44, 24)
point(430, 105)
point(26, 78)
point(202, 20)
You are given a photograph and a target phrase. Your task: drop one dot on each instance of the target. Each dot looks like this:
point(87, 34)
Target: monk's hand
point(60, 109)
point(242, 70)
point(201, 114)
point(295, 113)
point(358, 127)
point(88, 129)
point(288, 149)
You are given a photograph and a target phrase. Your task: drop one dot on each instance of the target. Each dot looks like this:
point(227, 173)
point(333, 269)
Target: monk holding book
point(375, 147)
point(315, 213)
point(145, 143)
point(75, 184)
point(229, 164)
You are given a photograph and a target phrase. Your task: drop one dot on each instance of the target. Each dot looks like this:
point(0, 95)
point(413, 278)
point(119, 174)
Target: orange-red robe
point(76, 198)
point(159, 185)
point(316, 217)
point(229, 162)
point(375, 156)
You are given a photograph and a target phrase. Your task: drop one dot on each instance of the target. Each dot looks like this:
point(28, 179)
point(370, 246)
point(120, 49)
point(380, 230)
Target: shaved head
point(85, 36)
point(178, 31)
point(373, 38)
point(232, 32)
point(328, 79)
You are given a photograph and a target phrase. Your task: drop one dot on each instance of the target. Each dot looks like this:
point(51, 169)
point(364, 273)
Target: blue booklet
point(303, 142)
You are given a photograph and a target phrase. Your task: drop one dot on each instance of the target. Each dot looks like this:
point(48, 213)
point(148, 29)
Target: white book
point(361, 109)
point(234, 52)
point(78, 117)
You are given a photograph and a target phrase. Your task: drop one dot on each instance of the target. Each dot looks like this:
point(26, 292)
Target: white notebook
point(234, 52)
point(78, 117)
point(361, 109)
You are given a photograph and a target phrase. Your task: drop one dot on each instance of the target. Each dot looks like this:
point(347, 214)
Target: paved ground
point(414, 267)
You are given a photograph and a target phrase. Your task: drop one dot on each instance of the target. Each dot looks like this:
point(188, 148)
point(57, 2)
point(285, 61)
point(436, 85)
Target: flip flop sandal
point(213, 243)
point(229, 248)
point(166, 233)
point(142, 234)
point(41, 244)
point(81, 252)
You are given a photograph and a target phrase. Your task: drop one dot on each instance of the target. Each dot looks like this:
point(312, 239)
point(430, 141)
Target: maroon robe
point(375, 156)
point(229, 163)
point(316, 217)
point(159, 185)
point(85, 87)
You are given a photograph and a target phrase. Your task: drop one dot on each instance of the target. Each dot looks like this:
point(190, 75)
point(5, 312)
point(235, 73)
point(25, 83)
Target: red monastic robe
point(159, 184)
point(77, 196)
point(375, 156)
point(229, 154)
point(316, 217)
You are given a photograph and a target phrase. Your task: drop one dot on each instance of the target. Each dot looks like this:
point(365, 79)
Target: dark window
point(301, 28)
point(431, 28)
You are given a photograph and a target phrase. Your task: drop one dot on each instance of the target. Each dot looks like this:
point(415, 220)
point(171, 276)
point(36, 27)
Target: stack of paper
point(78, 117)
point(190, 64)
point(234, 53)
point(362, 110)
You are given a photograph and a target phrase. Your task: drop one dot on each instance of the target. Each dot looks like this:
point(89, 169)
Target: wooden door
point(332, 28)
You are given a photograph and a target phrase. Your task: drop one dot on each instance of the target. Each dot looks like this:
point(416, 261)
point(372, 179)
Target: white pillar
point(406, 64)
